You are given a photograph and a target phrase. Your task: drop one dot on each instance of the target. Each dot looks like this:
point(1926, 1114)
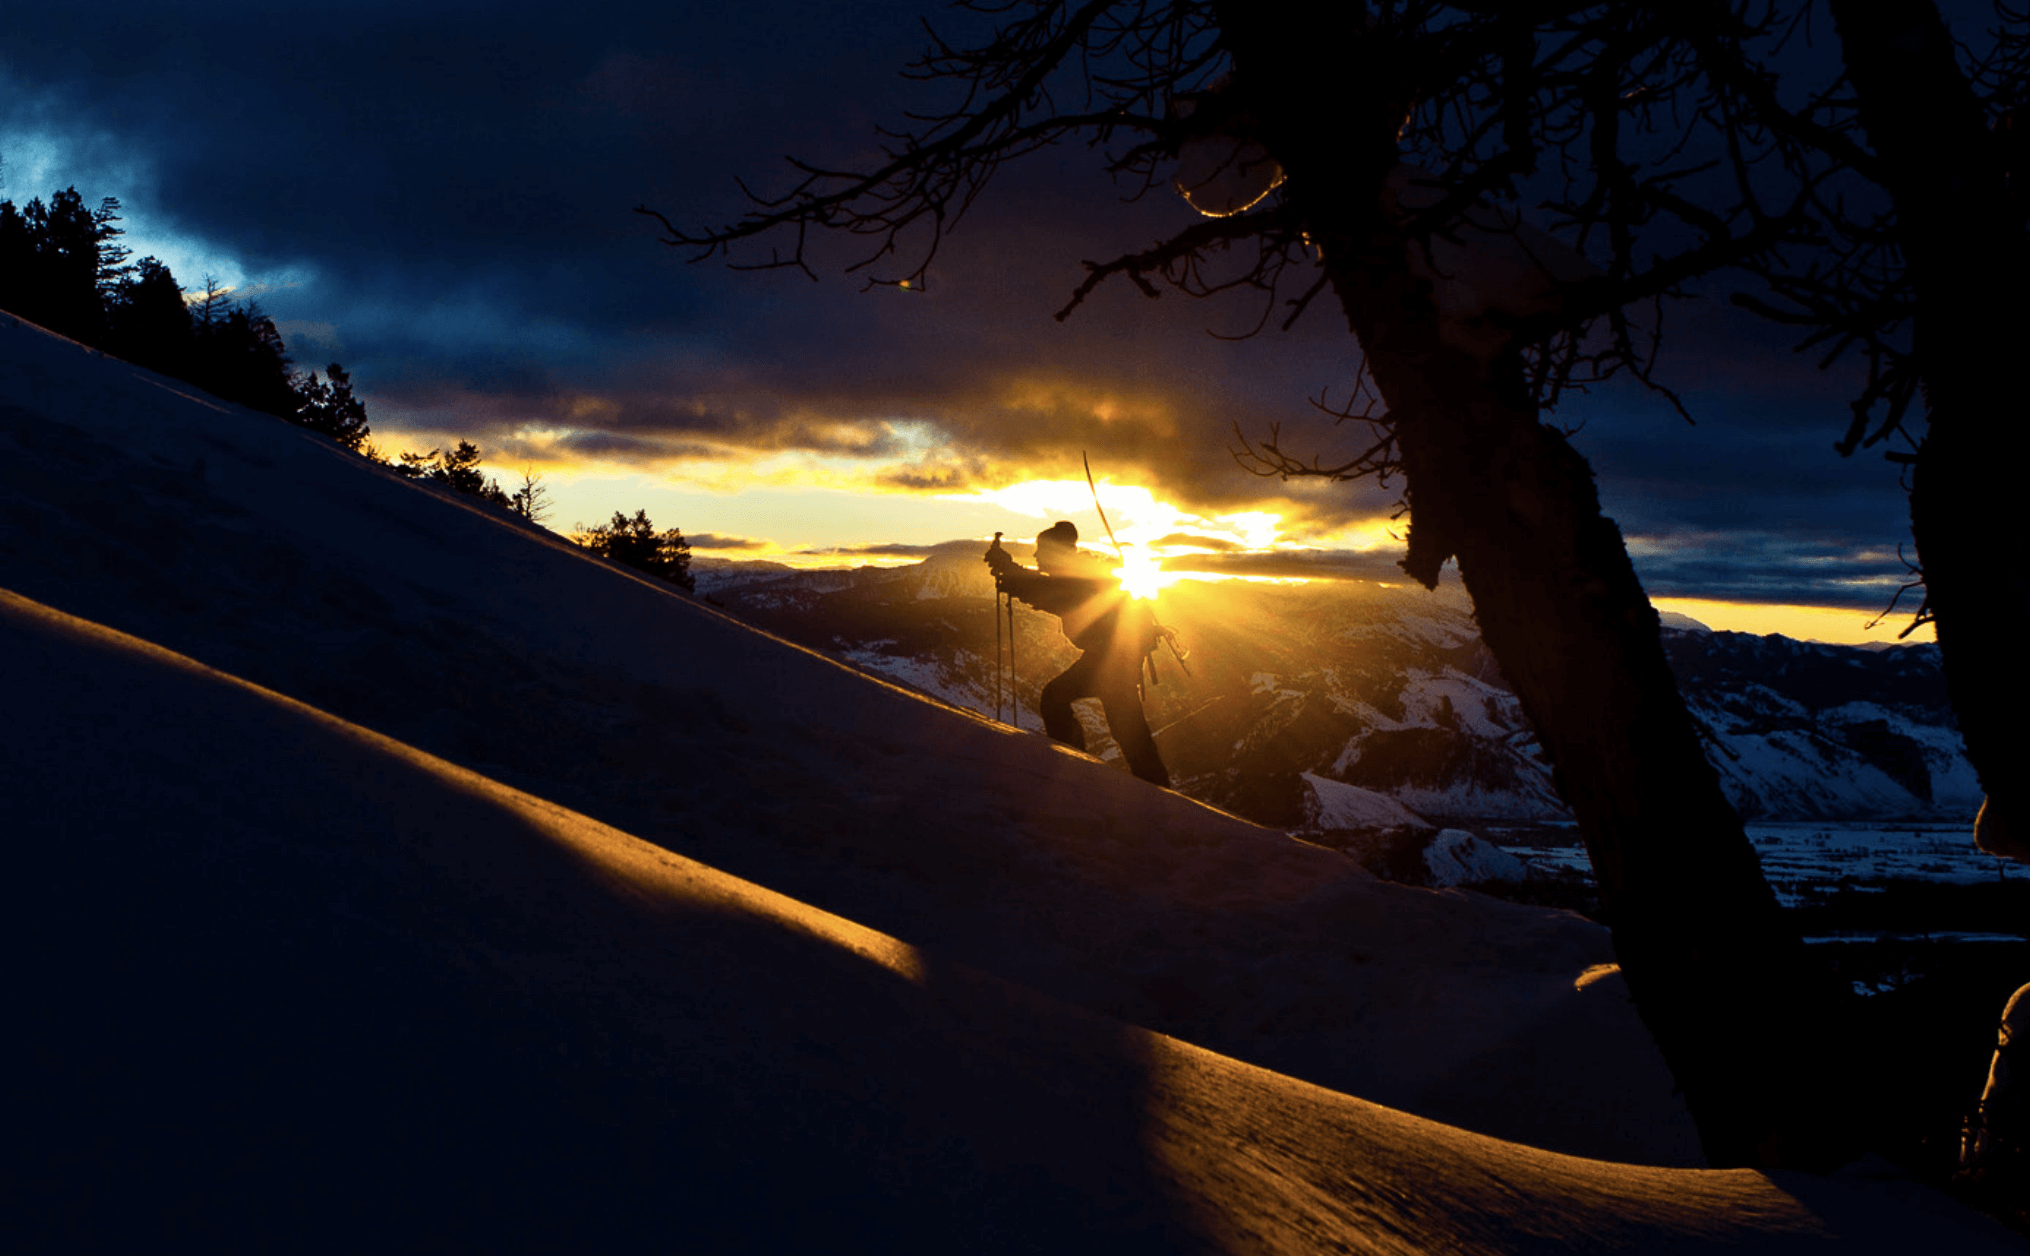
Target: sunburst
point(1141, 574)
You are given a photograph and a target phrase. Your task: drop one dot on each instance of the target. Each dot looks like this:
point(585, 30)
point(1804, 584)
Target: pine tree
point(240, 356)
point(457, 470)
point(17, 257)
point(328, 408)
point(147, 322)
point(113, 269)
point(636, 543)
point(57, 284)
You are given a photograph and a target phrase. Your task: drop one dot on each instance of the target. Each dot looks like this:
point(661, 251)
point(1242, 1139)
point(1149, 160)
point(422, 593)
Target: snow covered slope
point(279, 559)
point(296, 983)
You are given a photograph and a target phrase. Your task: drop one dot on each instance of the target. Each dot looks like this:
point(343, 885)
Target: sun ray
point(1141, 573)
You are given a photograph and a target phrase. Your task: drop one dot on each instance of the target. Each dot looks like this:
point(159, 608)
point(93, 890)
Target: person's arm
point(1025, 585)
point(1020, 582)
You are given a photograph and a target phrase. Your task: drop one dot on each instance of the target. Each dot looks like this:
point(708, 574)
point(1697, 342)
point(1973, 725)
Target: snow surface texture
point(309, 977)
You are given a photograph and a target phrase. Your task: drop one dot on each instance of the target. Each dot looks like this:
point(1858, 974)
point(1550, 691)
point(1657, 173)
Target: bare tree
point(532, 500)
point(1377, 153)
point(210, 308)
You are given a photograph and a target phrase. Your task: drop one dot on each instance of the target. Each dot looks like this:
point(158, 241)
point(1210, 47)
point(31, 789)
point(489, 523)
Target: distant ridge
point(1389, 689)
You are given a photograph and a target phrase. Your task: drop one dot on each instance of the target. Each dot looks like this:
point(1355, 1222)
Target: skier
point(1114, 632)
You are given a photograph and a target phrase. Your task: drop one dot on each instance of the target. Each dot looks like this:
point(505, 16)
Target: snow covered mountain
point(1303, 698)
point(1804, 731)
point(393, 875)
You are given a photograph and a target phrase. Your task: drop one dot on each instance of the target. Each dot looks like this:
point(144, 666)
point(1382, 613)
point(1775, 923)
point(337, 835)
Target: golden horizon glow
point(1226, 577)
point(1142, 576)
point(800, 509)
point(1138, 516)
point(806, 560)
point(1834, 625)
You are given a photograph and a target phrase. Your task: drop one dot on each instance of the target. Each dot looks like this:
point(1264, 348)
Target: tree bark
point(1968, 260)
point(1719, 975)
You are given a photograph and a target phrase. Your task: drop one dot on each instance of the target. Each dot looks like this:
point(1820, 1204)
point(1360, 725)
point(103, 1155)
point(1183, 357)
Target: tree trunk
point(1718, 973)
point(1968, 261)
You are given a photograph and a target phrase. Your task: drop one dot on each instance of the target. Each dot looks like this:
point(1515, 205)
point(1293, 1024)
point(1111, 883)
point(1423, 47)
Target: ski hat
point(1063, 532)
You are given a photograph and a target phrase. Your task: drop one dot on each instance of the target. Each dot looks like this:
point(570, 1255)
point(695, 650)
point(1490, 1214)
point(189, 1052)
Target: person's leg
point(1059, 720)
point(1131, 728)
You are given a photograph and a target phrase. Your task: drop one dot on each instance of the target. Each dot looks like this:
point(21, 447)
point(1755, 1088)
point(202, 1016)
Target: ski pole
point(1014, 711)
point(997, 645)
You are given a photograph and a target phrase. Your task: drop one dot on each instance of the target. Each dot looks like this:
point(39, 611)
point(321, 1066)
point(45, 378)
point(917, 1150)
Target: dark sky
point(439, 196)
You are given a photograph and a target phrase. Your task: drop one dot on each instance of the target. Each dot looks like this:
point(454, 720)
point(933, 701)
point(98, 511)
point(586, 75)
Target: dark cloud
point(1753, 463)
point(447, 188)
point(618, 445)
point(714, 541)
point(1767, 567)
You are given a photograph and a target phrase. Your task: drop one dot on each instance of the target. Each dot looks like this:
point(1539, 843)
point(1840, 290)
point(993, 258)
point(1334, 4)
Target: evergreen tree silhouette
point(240, 357)
point(636, 543)
point(113, 269)
point(17, 258)
point(147, 322)
point(458, 470)
point(50, 255)
point(329, 408)
point(62, 266)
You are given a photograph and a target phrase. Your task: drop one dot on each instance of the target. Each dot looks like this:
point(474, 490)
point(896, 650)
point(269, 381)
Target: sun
point(1141, 574)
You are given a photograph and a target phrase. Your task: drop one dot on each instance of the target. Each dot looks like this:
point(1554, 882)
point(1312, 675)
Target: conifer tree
point(328, 408)
point(59, 283)
point(458, 469)
point(147, 322)
point(113, 269)
point(240, 356)
point(636, 543)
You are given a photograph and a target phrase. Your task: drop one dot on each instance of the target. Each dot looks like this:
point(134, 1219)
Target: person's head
point(1056, 545)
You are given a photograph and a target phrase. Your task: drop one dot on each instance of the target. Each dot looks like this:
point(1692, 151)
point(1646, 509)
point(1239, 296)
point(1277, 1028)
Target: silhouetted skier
point(1100, 619)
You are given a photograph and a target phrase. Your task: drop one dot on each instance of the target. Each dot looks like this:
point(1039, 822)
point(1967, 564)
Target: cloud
point(1762, 566)
point(1296, 564)
point(440, 197)
point(714, 541)
point(886, 549)
point(1178, 540)
point(307, 336)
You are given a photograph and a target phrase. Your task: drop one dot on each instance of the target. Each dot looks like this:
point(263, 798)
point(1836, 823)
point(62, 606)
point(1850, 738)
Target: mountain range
point(1314, 707)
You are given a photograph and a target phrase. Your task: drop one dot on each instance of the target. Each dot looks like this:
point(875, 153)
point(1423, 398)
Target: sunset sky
point(439, 196)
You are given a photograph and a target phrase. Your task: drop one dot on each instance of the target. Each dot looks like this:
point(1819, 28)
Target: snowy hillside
point(394, 875)
point(1388, 690)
